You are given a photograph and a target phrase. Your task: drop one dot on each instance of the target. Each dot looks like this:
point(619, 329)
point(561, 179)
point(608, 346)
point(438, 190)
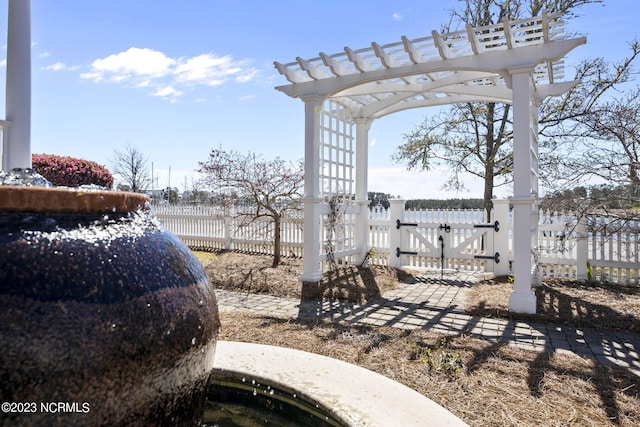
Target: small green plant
point(589, 272)
point(370, 253)
point(449, 363)
point(441, 360)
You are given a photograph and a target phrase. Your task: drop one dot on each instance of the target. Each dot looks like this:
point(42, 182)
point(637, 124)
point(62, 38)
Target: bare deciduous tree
point(606, 150)
point(130, 165)
point(274, 187)
point(475, 138)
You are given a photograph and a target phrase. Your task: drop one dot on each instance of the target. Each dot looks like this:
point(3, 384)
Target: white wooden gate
point(446, 240)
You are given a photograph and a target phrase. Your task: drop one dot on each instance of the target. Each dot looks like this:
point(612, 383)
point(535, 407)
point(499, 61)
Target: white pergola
point(518, 62)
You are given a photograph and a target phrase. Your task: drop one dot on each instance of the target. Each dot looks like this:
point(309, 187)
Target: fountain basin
point(249, 403)
point(353, 396)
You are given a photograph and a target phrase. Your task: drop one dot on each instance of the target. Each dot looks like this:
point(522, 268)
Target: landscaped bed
point(481, 382)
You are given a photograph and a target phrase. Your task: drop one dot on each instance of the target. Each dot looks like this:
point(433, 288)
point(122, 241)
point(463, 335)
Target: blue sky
point(176, 78)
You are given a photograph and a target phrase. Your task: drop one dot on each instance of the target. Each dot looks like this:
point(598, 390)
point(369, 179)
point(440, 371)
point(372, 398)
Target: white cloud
point(118, 78)
point(397, 16)
point(60, 66)
point(96, 77)
point(142, 67)
point(207, 69)
point(247, 75)
point(144, 83)
point(132, 63)
point(247, 97)
point(373, 142)
point(168, 93)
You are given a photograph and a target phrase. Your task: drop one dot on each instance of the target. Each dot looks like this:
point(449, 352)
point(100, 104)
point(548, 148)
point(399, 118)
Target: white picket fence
point(214, 228)
point(564, 249)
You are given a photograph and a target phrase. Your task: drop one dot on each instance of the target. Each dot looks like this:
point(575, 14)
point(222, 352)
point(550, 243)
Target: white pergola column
point(16, 141)
point(525, 169)
point(313, 106)
point(362, 166)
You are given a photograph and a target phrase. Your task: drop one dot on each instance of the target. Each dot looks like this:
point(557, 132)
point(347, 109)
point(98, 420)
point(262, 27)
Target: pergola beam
point(385, 58)
point(430, 86)
point(313, 71)
point(508, 34)
point(475, 41)
point(495, 62)
point(359, 62)
point(412, 51)
point(432, 102)
point(453, 94)
point(443, 47)
point(336, 67)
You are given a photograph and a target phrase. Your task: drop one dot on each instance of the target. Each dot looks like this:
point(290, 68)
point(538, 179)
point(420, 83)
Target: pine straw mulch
point(254, 273)
point(483, 383)
point(587, 305)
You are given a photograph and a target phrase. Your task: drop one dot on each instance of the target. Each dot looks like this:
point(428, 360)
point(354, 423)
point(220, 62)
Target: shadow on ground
point(448, 368)
point(602, 307)
point(353, 284)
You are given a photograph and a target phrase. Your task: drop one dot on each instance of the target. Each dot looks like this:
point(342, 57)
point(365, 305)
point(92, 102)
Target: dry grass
point(483, 383)
point(600, 306)
point(493, 385)
point(254, 273)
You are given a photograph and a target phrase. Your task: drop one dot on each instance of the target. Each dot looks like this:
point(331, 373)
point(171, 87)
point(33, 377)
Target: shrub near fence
point(564, 249)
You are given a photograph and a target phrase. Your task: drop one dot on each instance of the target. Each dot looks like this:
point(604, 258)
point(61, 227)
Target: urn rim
point(69, 200)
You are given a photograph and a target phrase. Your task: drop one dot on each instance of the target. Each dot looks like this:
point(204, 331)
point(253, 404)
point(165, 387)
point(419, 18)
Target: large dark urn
point(105, 318)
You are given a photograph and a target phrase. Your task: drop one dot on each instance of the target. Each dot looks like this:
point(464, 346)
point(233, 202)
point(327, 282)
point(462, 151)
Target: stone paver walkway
point(434, 303)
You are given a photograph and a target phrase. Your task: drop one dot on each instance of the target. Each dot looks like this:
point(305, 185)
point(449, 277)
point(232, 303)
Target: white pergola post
point(16, 141)
point(362, 166)
point(313, 106)
point(525, 170)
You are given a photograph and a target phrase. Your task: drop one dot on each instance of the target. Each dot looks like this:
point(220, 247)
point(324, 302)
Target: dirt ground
point(483, 383)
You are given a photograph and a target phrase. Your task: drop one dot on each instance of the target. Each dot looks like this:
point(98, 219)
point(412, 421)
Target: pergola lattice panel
point(337, 151)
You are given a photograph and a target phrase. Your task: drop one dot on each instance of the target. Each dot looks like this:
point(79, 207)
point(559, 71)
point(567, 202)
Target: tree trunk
point(489, 161)
point(488, 197)
point(277, 220)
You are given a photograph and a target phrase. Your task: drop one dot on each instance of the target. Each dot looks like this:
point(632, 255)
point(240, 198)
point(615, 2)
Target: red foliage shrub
point(71, 172)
